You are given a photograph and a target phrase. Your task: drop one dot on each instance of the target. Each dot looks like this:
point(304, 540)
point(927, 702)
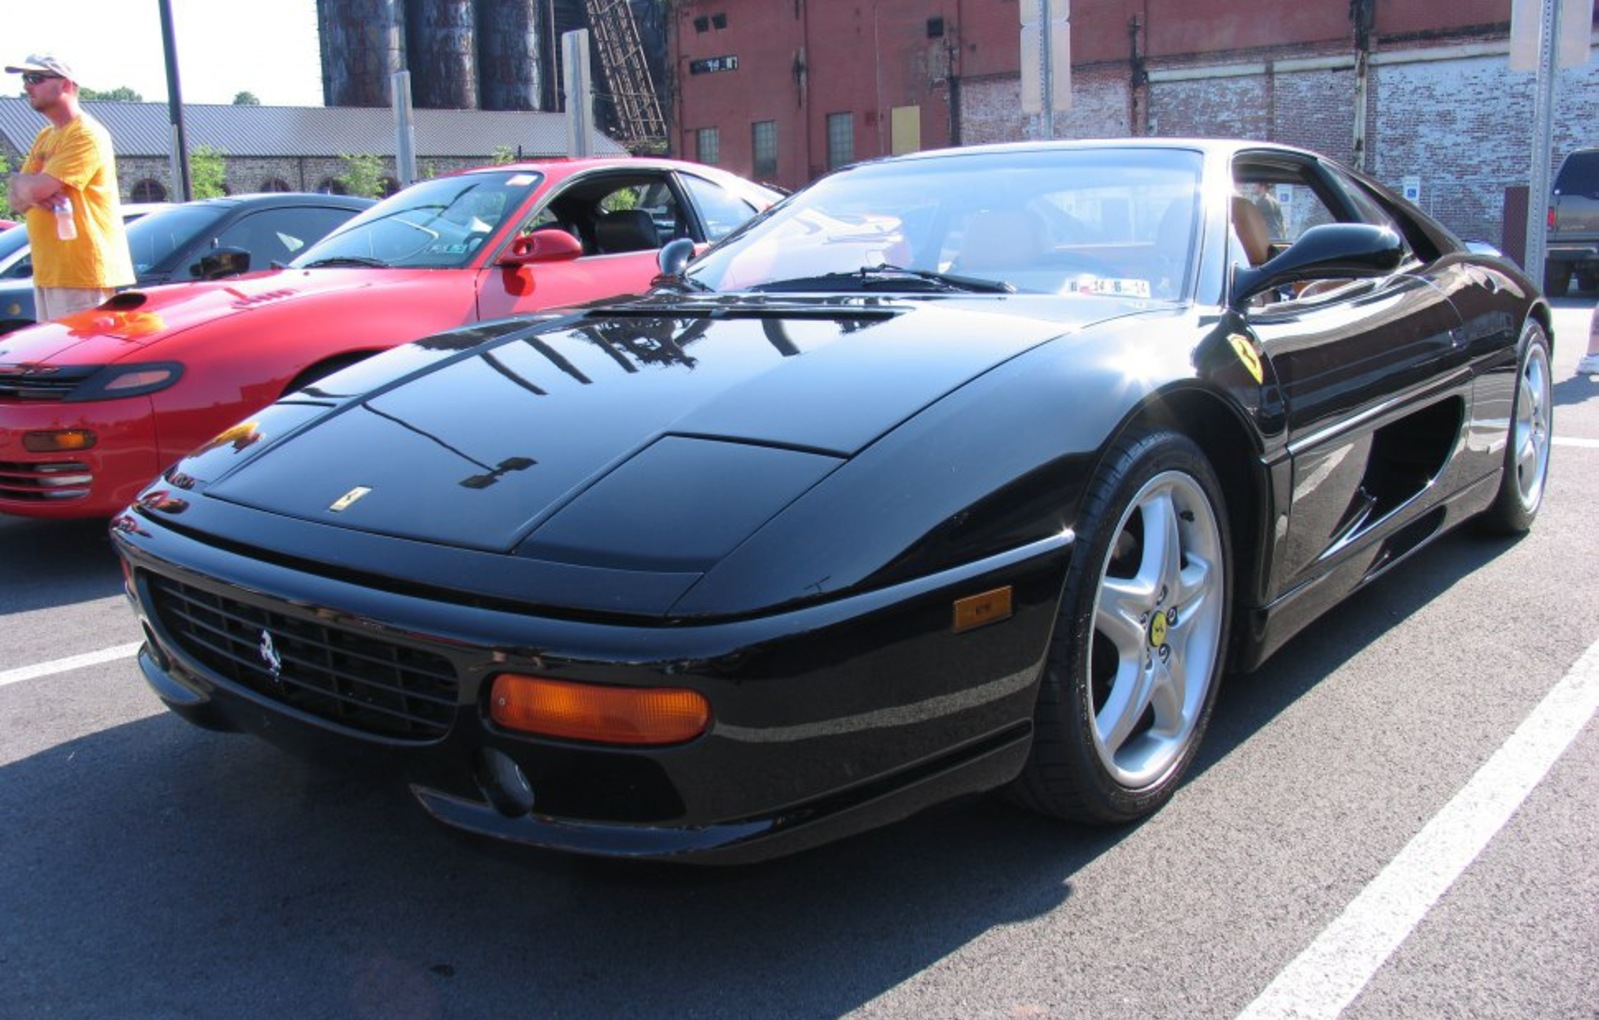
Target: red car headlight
point(115, 381)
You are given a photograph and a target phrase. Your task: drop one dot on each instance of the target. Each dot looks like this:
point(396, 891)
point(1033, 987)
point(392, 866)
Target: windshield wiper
point(885, 273)
point(346, 260)
point(887, 277)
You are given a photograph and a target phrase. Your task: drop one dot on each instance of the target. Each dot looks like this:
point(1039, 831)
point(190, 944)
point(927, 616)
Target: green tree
point(246, 99)
point(502, 155)
point(207, 172)
point(363, 175)
point(5, 202)
point(121, 93)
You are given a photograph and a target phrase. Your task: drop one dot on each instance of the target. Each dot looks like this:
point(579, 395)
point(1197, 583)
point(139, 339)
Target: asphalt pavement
point(1394, 818)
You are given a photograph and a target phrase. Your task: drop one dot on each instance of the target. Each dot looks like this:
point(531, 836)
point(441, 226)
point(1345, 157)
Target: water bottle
point(66, 227)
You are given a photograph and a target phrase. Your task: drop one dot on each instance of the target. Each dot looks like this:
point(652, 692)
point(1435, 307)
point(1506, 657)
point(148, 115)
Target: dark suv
point(1573, 246)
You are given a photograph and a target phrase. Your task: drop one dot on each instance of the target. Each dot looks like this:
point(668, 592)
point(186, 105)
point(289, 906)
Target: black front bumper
point(828, 719)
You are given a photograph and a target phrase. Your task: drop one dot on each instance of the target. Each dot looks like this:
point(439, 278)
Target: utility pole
point(1562, 28)
point(180, 145)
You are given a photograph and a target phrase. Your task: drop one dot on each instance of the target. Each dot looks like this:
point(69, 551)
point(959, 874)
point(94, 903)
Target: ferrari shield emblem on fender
point(1246, 353)
point(345, 500)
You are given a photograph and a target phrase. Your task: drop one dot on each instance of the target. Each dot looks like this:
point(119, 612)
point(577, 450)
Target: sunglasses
point(34, 77)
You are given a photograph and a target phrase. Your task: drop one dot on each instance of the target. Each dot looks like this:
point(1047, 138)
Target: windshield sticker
point(1107, 285)
point(447, 249)
point(522, 180)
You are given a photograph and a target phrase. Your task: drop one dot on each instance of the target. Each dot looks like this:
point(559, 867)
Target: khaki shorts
point(54, 302)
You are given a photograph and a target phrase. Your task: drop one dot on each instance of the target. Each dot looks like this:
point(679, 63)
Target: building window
point(702, 24)
point(718, 21)
point(935, 28)
point(763, 143)
point(331, 186)
point(840, 139)
point(709, 146)
point(387, 187)
point(275, 184)
point(148, 190)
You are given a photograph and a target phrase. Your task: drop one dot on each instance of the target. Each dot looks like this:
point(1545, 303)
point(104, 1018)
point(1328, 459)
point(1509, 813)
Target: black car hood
point(605, 443)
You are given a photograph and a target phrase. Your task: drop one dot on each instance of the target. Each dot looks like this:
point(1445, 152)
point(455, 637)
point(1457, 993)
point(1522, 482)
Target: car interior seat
point(1000, 239)
point(625, 230)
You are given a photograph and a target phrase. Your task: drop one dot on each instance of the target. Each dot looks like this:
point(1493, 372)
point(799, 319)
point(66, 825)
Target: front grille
point(345, 676)
point(36, 384)
point(44, 482)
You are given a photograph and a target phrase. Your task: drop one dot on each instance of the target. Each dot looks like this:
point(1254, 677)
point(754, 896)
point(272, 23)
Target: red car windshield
point(434, 224)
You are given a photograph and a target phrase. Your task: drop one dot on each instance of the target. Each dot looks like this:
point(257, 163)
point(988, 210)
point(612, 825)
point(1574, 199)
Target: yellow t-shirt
point(80, 156)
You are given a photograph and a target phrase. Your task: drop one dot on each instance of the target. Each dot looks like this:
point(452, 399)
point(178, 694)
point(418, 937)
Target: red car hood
point(137, 319)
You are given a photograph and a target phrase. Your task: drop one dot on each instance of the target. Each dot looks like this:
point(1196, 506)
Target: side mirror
point(1329, 251)
point(221, 262)
point(541, 246)
point(675, 257)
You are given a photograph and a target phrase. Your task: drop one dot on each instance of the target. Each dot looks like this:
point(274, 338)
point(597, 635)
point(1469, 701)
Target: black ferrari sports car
point(961, 471)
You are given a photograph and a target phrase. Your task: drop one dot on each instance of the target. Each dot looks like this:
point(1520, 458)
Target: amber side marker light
point(607, 715)
point(57, 442)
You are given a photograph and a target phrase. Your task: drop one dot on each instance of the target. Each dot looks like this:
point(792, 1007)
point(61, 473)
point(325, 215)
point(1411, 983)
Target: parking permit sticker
point(1110, 285)
point(447, 249)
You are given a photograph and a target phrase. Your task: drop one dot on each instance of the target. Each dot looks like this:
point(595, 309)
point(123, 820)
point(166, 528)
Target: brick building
point(1414, 91)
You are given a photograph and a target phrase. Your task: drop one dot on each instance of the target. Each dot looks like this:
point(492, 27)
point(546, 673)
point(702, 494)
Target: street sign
point(1046, 59)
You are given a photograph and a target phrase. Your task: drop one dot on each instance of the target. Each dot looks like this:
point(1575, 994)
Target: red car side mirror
point(542, 246)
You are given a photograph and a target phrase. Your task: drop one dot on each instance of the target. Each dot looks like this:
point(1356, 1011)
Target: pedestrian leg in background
point(1589, 365)
point(54, 302)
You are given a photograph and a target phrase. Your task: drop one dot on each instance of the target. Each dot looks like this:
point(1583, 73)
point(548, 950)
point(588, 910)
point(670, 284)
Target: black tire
point(1124, 699)
point(1532, 424)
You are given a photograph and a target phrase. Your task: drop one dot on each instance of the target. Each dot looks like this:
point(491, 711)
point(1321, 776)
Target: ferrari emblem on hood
point(344, 501)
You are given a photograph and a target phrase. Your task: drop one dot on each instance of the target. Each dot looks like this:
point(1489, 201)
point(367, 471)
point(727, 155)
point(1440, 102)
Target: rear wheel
point(1135, 663)
point(1527, 445)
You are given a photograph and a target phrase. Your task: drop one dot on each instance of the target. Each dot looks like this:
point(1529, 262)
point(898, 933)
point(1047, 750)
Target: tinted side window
point(1579, 174)
point(278, 235)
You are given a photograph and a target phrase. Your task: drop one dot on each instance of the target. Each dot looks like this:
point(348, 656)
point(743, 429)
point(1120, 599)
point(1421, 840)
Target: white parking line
point(12, 676)
point(1331, 972)
point(1592, 444)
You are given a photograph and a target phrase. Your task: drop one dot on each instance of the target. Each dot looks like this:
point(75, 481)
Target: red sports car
point(94, 405)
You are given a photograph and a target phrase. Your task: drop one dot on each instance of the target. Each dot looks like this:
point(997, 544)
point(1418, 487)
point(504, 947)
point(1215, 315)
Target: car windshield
point(1096, 222)
point(155, 239)
point(434, 224)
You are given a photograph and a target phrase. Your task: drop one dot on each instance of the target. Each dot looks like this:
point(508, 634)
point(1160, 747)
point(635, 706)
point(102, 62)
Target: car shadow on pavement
point(54, 563)
point(154, 869)
point(157, 869)
point(1574, 389)
point(1247, 703)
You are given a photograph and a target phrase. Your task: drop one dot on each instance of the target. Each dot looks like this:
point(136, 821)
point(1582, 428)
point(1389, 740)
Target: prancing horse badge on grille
point(270, 656)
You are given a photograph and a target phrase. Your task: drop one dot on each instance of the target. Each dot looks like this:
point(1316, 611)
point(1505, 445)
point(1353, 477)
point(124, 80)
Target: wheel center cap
point(1157, 630)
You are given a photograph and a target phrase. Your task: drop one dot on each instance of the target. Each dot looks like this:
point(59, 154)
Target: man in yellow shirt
point(68, 191)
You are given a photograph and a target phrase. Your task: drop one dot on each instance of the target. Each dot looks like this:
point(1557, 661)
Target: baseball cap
point(45, 63)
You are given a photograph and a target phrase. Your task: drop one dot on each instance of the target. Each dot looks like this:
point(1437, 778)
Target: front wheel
point(1526, 467)
point(1136, 659)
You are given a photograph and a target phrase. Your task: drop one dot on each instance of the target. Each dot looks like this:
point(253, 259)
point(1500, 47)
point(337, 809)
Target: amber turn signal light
point(65, 440)
point(606, 715)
